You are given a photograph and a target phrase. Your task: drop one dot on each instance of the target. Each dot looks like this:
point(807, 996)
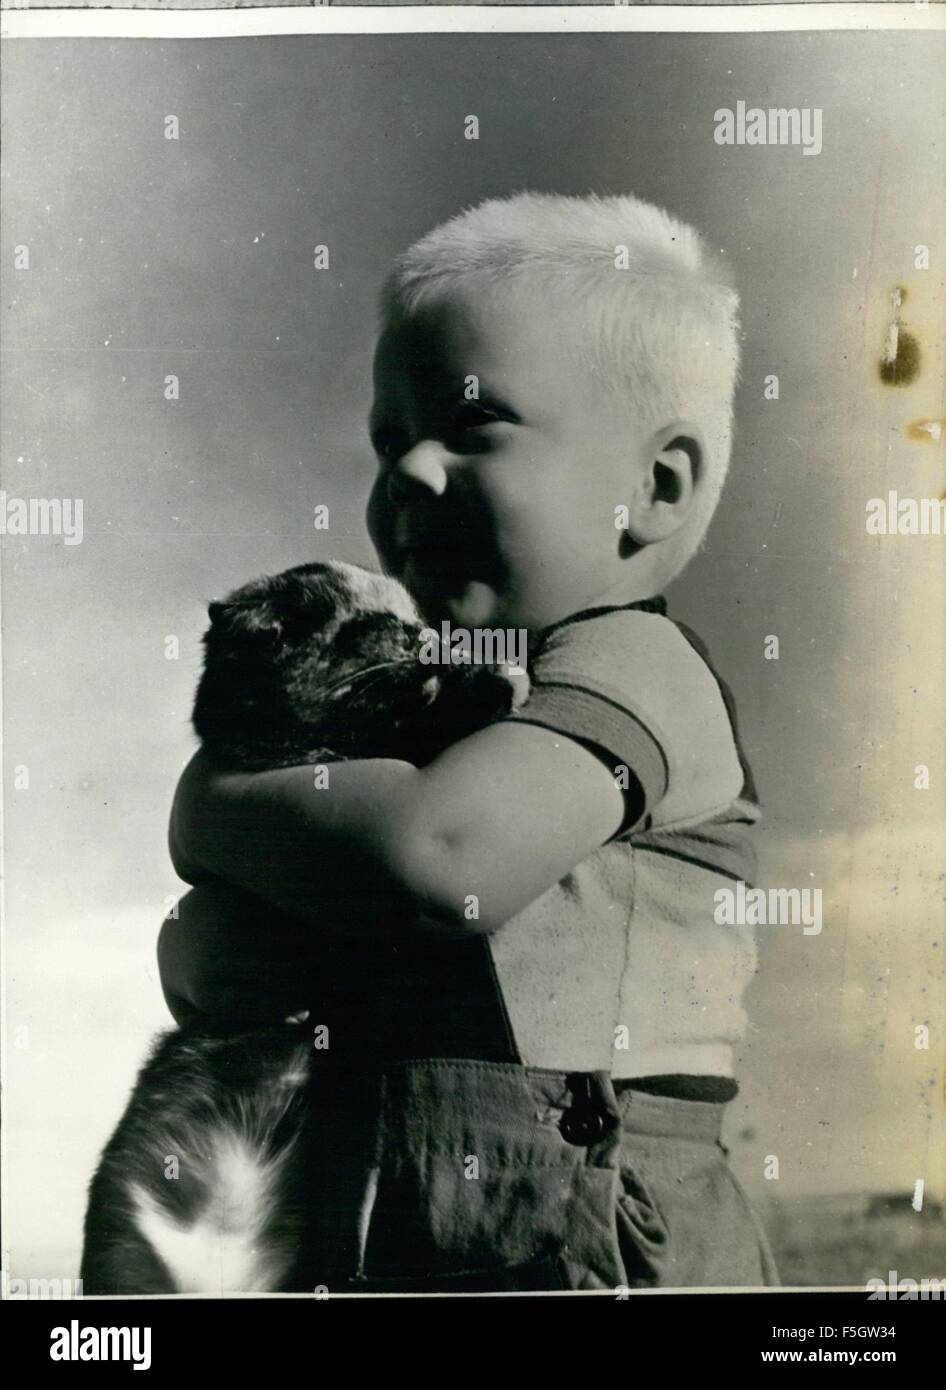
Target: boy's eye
point(471, 415)
point(390, 443)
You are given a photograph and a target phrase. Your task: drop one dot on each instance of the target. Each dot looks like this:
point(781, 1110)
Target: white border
point(880, 15)
point(479, 19)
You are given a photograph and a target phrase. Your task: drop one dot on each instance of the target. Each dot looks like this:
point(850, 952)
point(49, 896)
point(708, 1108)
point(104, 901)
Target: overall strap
point(450, 1005)
point(439, 999)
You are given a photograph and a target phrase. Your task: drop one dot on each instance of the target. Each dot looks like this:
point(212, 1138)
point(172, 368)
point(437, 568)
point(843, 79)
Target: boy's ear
point(673, 469)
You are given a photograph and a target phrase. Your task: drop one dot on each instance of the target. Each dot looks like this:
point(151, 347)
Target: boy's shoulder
point(642, 688)
point(634, 652)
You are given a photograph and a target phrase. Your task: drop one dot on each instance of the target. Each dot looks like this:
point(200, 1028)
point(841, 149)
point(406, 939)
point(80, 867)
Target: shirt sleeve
point(629, 684)
point(621, 740)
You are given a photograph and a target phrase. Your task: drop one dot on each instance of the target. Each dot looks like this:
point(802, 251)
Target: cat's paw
point(517, 679)
point(496, 688)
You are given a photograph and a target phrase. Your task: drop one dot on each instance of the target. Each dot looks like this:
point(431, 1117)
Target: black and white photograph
point(474, 661)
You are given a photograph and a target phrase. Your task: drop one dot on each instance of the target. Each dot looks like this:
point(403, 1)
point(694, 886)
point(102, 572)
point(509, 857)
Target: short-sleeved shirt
point(622, 964)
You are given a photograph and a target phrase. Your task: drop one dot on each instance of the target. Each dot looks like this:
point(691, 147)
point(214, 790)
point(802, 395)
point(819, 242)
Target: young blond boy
point(552, 416)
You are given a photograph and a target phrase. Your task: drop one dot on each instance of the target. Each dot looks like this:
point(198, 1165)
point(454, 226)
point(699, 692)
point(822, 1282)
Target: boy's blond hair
point(661, 321)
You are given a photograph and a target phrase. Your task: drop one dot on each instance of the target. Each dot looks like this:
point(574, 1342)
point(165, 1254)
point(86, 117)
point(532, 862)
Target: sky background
point(151, 257)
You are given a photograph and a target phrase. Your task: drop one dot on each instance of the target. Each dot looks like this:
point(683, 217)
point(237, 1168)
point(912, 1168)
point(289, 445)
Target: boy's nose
point(425, 465)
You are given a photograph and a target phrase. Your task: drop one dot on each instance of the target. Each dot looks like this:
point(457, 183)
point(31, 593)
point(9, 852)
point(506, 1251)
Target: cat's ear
point(253, 618)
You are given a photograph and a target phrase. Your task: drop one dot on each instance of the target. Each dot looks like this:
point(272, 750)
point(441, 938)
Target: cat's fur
point(207, 1184)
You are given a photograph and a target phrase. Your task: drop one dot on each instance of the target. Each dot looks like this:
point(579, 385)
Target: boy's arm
point(484, 829)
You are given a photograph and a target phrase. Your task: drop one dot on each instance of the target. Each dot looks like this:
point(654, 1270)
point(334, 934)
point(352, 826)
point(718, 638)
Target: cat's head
point(294, 658)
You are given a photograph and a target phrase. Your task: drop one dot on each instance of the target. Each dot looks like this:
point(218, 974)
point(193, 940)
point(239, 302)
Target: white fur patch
point(225, 1250)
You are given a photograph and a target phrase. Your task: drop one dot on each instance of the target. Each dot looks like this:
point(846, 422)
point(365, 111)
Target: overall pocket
point(466, 1214)
point(472, 1175)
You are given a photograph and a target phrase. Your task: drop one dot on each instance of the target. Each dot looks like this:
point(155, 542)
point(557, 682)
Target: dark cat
point(208, 1183)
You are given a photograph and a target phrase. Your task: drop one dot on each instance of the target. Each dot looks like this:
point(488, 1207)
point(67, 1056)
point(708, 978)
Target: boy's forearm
point(323, 852)
point(457, 847)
